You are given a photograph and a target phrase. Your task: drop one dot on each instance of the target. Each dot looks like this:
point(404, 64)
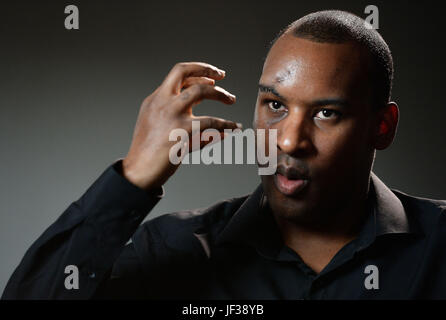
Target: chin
point(290, 209)
point(298, 208)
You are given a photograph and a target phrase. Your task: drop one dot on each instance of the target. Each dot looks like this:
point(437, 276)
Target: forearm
point(89, 235)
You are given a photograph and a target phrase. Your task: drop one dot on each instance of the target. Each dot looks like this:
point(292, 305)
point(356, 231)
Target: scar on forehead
point(283, 76)
point(288, 74)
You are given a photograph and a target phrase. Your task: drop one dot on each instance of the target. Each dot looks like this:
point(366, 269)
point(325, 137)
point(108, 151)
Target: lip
point(289, 187)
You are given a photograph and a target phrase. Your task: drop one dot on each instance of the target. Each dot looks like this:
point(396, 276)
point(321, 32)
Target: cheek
point(341, 145)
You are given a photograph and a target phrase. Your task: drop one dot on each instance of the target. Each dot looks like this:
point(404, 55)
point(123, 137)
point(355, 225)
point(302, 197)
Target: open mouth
point(291, 180)
point(290, 186)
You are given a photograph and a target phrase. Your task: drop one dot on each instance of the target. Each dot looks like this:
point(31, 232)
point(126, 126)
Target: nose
point(294, 136)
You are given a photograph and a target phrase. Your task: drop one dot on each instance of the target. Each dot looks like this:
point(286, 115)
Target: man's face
point(317, 96)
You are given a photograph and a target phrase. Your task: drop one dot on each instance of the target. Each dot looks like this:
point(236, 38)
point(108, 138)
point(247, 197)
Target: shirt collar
point(253, 223)
point(389, 212)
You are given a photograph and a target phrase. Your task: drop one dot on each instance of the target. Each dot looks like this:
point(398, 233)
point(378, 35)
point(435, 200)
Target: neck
point(318, 243)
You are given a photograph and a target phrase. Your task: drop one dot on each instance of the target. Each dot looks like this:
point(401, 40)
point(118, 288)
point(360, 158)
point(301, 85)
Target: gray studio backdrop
point(69, 99)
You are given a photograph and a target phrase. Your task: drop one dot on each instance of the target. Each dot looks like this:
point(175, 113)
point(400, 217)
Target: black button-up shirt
point(231, 250)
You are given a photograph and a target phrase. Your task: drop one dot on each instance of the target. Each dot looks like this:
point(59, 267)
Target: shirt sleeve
point(84, 242)
point(125, 280)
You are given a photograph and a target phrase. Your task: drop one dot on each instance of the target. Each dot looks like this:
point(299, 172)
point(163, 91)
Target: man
point(323, 227)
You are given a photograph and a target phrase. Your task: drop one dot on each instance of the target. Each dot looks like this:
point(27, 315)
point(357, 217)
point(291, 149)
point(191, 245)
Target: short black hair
point(335, 26)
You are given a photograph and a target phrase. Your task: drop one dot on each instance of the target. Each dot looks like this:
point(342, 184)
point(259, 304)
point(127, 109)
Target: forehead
point(310, 69)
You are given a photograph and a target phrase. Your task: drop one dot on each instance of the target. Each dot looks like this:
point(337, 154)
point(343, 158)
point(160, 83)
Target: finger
point(181, 71)
point(207, 139)
point(216, 123)
point(198, 92)
point(206, 136)
point(188, 82)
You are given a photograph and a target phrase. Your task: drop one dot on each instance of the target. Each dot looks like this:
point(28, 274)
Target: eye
point(275, 105)
point(327, 114)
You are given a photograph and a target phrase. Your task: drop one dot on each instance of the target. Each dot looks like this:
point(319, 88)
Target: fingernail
point(222, 72)
point(239, 125)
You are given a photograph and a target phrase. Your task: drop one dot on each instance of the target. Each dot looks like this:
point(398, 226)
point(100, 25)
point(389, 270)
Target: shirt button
point(92, 275)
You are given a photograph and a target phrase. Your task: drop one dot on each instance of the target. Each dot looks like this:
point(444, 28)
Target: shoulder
point(428, 214)
point(420, 204)
point(176, 230)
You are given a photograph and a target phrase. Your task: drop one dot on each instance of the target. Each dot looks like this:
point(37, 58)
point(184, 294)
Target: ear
point(387, 123)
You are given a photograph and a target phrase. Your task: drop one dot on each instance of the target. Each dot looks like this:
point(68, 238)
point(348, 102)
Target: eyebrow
point(342, 103)
point(264, 88)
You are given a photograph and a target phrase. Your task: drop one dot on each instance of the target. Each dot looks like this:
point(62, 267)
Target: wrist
point(128, 172)
point(155, 191)
point(138, 177)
